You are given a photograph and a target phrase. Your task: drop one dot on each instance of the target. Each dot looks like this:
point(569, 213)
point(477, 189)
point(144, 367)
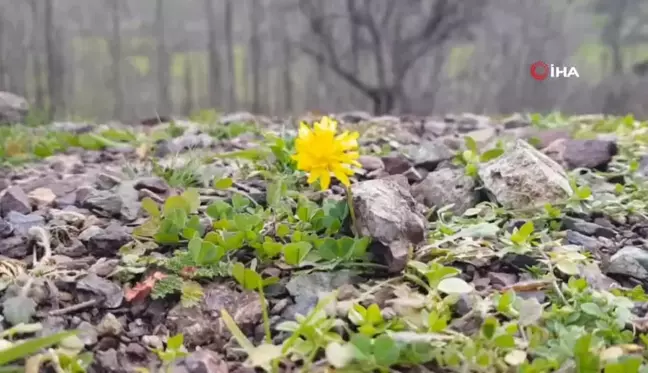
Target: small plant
point(471, 157)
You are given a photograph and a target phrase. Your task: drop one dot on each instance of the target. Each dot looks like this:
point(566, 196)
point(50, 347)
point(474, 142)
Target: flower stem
point(354, 223)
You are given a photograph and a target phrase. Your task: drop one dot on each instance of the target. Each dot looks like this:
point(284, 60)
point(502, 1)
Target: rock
point(153, 341)
point(154, 184)
point(108, 362)
point(111, 292)
point(136, 350)
point(523, 177)
point(371, 162)
point(595, 278)
point(66, 163)
point(587, 228)
point(354, 117)
point(630, 261)
point(70, 217)
point(396, 164)
point(543, 138)
point(306, 288)
point(429, 154)
point(40, 197)
point(14, 199)
point(203, 361)
point(591, 244)
point(105, 203)
point(573, 154)
point(14, 247)
point(13, 108)
point(107, 181)
point(108, 242)
point(109, 325)
point(386, 212)
point(104, 267)
point(130, 201)
point(238, 117)
point(21, 223)
point(88, 333)
point(5, 229)
point(447, 186)
point(515, 121)
point(643, 166)
point(202, 324)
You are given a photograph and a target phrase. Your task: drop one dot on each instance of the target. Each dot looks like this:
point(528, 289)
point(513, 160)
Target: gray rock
point(354, 117)
point(110, 325)
point(13, 108)
point(154, 184)
point(306, 288)
point(14, 247)
point(105, 203)
point(108, 242)
point(238, 117)
point(371, 163)
point(202, 324)
point(429, 154)
point(591, 244)
point(630, 261)
point(107, 181)
point(203, 361)
point(21, 223)
point(130, 201)
point(447, 186)
point(112, 293)
point(587, 228)
point(396, 164)
point(523, 177)
point(386, 212)
point(573, 154)
point(88, 333)
point(5, 229)
point(14, 199)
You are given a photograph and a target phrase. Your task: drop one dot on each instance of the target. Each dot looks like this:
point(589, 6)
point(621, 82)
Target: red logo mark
point(539, 70)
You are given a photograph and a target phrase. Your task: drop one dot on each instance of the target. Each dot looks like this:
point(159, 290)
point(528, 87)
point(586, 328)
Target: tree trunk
point(163, 64)
point(213, 57)
point(53, 76)
point(37, 63)
point(255, 54)
point(115, 53)
point(188, 86)
point(287, 76)
point(229, 43)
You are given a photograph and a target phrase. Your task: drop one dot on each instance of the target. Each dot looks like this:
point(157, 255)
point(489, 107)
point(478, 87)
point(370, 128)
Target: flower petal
point(325, 180)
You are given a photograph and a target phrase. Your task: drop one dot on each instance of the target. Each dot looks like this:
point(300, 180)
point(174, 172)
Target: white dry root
point(42, 238)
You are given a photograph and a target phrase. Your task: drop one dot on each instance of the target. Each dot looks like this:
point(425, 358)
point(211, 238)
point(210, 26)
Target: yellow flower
point(321, 153)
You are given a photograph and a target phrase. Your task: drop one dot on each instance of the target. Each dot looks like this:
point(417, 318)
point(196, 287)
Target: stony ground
point(484, 245)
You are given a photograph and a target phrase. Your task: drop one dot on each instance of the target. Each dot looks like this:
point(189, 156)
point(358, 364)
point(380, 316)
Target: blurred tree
point(393, 35)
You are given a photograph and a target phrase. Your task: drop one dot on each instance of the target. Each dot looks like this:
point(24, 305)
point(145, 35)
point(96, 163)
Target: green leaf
point(246, 277)
point(328, 249)
point(151, 207)
point(295, 252)
point(271, 249)
point(489, 326)
point(209, 253)
point(218, 209)
point(454, 285)
point(527, 229)
point(282, 230)
point(385, 351)
point(471, 144)
point(31, 346)
point(374, 317)
point(175, 342)
point(491, 154)
point(504, 341)
point(175, 202)
point(362, 344)
point(275, 191)
point(192, 197)
point(239, 202)
point(223, 183)
point(592, 309)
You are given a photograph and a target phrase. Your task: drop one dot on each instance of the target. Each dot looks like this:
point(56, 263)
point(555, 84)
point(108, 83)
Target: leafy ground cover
point(348, 243)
